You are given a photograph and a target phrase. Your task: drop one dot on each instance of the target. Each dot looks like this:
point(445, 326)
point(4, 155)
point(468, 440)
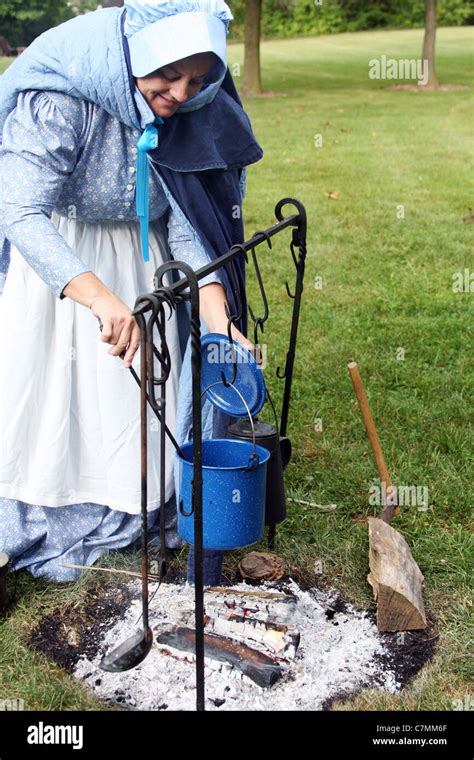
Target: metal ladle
point(133, 650)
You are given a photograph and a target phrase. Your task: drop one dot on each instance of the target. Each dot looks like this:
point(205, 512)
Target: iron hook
point(230, 321)
point(263, 319)
point(264, 234)
point(241, 247)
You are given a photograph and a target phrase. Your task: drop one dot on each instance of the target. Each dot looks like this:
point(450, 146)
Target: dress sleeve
point(38, 153)
point(184, 242)
point(243, 182)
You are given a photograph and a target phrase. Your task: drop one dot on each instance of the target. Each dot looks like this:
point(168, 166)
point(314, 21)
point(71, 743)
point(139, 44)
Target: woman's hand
point(119, 327)
point(213, 299)
point(245, 342)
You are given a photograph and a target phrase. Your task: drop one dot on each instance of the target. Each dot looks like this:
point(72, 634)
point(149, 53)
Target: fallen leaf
point(332, 194)
point(262, 566)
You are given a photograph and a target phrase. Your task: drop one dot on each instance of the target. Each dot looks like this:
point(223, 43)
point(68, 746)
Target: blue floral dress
point(69, 412)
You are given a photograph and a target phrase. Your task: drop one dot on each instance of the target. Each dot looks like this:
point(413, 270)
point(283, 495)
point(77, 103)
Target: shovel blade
point(129, 653)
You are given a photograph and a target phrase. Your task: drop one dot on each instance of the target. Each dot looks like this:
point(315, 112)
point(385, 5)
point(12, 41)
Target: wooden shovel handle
point(389, 509)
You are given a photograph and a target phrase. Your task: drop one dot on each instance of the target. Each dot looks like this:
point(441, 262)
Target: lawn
point(387, 246)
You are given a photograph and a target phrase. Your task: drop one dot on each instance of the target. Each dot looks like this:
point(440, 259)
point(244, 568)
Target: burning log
point(272, 605)
point(263, 670)
point(264, 595)
point(280, 639)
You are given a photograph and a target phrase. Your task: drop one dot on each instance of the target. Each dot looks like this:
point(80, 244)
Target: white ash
point(337, 656)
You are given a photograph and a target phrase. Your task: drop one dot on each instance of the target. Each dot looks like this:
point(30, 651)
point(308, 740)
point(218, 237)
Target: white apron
point(70, 412)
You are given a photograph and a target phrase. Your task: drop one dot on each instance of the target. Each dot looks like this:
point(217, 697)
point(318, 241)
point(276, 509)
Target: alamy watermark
point(463, 282)
point(42, 733)
point(401, 68)
point(15, 704)
point(463, 704)
point(222, 353)
point(404, 496)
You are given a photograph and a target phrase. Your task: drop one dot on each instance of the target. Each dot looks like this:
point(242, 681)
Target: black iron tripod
point(150, 314)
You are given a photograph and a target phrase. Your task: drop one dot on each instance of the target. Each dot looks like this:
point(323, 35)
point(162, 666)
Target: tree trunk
point(252, 84)
point(429, 43)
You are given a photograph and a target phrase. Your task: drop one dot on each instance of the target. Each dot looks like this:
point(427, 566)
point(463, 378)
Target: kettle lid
point(216, 358)
point(243, 428)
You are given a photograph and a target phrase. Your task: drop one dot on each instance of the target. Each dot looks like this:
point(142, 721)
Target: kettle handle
point(285, 450)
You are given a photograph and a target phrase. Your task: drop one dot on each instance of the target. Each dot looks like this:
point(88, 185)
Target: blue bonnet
point(162, 31)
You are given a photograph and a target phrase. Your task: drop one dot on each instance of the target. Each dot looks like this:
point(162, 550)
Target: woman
point(72, 109)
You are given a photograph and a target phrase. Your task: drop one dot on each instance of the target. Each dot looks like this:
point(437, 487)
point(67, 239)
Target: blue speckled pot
point(233, 495)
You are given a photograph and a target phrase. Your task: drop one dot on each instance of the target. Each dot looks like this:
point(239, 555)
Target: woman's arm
point(186, 246)
point(212, 304)
point(183, 241)
point(39, 151)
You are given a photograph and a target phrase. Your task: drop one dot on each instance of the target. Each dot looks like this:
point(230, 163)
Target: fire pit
point(266, 648)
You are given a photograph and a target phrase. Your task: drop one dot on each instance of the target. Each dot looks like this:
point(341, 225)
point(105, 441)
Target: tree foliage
point(288, 18)
point(23, 20)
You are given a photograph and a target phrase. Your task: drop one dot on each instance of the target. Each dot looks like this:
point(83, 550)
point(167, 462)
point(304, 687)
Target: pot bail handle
point(254, 459)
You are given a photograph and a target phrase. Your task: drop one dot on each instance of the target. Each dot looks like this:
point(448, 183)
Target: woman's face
point(168, 87)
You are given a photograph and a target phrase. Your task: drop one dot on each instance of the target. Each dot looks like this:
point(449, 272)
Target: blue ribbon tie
point(148, 140)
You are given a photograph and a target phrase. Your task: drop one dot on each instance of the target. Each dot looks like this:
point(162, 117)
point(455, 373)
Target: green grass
point(387, 285)
point(4, 64)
